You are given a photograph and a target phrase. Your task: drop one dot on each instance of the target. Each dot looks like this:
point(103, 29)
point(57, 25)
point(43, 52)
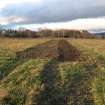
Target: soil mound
point(53, 49)
point(67, 52)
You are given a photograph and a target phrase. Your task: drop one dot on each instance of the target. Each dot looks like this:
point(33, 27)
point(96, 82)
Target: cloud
point(42, 11)
point(11, 19)
point(91, 24)
point(4, 3)
point(19, 12)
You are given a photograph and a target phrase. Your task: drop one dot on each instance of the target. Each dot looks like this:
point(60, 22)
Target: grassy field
point(49, 81)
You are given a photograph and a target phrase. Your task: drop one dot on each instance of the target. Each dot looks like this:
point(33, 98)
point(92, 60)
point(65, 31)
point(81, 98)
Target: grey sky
point(49, 11)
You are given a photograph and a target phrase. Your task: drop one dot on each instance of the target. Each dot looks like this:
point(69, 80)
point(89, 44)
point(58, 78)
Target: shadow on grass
point(52, 92)
point(9, 67)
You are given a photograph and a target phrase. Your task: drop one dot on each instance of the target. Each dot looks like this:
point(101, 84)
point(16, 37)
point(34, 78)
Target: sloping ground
point(47, 81)
point(36, 82)
point(8, 49)
point(54, 49)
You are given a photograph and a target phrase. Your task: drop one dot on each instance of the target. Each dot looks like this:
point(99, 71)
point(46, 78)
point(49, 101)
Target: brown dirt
point(67, 52)
point(53, 49)
point(2, 94)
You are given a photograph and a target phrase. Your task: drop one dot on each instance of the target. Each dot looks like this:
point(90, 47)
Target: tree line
point(46, 33)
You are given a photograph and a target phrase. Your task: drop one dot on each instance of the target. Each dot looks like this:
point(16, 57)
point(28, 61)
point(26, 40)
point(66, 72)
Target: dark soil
point(67, 52)
point(53, 49)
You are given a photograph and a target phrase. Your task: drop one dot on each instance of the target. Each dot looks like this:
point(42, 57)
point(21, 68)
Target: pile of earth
point(53, 49)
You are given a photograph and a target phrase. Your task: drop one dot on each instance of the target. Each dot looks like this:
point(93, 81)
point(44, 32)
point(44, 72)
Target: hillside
point(31, 78)
point(100, 34)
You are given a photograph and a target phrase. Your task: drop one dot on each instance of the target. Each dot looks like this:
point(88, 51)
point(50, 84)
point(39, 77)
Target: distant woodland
point(47, 33)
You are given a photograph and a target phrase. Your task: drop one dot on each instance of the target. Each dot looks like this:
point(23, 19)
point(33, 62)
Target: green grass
point(20, 81)
point(50, 82)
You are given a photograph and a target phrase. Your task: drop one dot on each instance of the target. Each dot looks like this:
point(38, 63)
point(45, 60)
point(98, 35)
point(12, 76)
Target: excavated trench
point(60, 50)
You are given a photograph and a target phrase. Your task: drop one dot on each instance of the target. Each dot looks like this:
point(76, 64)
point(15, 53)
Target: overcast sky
point(71, 14)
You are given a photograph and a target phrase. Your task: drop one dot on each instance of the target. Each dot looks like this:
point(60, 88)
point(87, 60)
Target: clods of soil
point(53, 49)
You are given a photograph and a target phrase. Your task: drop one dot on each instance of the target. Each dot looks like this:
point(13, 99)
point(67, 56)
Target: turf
point(53, 76)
